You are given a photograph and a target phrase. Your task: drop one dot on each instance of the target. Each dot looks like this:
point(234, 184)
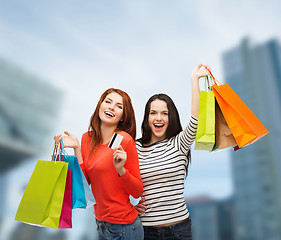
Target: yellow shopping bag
point(205, 135)
point(42, 200)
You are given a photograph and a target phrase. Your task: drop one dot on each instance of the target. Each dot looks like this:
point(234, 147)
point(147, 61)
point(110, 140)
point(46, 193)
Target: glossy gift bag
point(42, 200)
point(205, 136)
point(90, 199)
point(66, 211)
point(224, 137)
point(244, 125)
point(78, 192)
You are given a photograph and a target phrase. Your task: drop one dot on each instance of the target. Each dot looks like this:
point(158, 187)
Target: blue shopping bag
point(78, 192)
point(90, 199)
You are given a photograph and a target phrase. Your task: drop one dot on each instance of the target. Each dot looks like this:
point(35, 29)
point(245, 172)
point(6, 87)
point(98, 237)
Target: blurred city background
point(58, 57)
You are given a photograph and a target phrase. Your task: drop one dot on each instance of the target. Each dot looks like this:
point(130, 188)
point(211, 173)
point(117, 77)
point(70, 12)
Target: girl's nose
point(111, 107)
point(158, 117)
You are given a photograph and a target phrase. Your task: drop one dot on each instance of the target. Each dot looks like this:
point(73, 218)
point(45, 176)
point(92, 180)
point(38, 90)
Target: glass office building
point(254, 72)
point(28, 110)
point(211, 219)
point(28, 114)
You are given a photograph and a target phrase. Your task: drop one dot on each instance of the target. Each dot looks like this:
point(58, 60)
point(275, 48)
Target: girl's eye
point(166, 113)
point(120, 107)
point(107, 101)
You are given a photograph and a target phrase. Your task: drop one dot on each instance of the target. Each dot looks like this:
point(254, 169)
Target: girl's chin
point(108, 122)
point(159, 135)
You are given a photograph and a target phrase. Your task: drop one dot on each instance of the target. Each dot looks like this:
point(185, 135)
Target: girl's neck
point(107, 132)
point(154, 140)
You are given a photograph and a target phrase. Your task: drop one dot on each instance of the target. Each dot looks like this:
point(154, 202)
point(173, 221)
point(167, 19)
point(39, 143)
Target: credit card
point(115, 140)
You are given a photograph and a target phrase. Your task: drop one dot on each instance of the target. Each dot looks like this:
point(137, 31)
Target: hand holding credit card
point(115, 140)
point(119, 155)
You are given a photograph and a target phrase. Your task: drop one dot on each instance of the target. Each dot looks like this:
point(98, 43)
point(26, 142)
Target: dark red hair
point(128, 123)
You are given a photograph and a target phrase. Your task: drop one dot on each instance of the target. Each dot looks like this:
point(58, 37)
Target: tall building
point(28, 110)
point(28, 113)
point(254, 73)
point(211, 219)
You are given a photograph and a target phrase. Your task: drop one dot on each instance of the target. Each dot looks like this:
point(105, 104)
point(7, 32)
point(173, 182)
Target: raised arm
point(197, 73)
point(184, 140)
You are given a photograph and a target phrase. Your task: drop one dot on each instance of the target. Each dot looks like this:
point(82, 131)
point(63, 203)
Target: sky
point(142, 47)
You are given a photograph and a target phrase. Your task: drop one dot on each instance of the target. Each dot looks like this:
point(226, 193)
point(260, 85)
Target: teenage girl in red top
point(113, 174)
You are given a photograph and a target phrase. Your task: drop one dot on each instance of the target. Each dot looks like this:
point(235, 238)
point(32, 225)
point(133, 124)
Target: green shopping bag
point(206, 133)
point(42, 200)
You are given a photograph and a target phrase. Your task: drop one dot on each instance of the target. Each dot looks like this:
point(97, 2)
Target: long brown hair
point(128, 123)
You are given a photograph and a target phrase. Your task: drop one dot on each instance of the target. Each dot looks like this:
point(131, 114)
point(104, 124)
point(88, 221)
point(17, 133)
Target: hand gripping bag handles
point(244, 125)
point(205, 136)
point(42, 200)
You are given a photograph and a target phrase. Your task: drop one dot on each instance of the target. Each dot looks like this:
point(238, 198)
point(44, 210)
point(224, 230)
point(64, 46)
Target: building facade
point(211, 219)
point(254, 73)
point(28, 114)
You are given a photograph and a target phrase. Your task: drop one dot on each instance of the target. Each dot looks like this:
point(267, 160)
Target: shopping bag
point(66, 211)
point(205, 136)
point(78, 192)
point(244, 125)
point(42, 200)
point(90, 199)
point(224, 137)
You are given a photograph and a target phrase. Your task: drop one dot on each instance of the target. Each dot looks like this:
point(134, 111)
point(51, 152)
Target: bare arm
point(197, 73)
point(185, 138)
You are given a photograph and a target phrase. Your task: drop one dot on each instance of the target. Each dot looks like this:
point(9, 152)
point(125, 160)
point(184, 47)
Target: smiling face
point(111, 109)
point(158, 120)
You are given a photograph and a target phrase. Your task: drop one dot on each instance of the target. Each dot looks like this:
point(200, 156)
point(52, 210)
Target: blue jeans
point(110, 231)
point(180, 231)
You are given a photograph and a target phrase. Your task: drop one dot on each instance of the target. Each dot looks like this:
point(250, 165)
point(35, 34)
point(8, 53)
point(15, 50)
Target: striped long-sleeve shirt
point(162, 168)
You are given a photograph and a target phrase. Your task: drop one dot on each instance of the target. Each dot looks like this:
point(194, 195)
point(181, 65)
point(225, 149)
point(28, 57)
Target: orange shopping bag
point(243, 123)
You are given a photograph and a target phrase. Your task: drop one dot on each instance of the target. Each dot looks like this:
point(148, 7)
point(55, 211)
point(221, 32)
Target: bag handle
point(57, 152)
point(209, 83)
point(212, 77)
point(63, 152)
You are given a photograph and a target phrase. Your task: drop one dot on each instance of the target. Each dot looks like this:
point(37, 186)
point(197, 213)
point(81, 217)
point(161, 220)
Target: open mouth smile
point(158, 126)
point(109, 114)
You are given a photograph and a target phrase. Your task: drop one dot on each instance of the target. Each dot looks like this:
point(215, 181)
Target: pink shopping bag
point(66, 211)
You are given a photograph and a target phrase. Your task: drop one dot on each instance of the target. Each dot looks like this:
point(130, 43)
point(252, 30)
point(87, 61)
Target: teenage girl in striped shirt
point(164, 157)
